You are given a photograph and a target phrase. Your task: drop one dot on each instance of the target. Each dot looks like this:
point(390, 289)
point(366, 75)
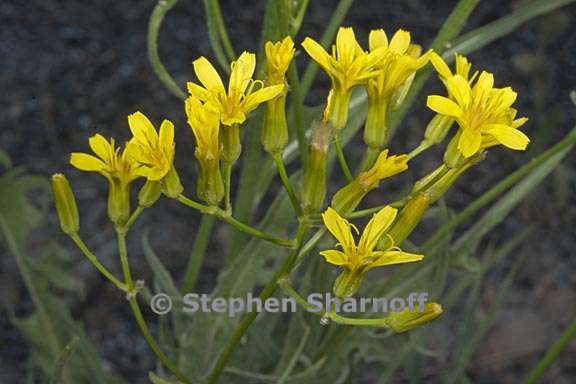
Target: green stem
point(342, 158)
point(287, 185)
point(224, 216)
point(284, 377)
point(227, 171)
point(214, 36)
point(559, 345)
point(156, 19)
point(43, 316)
point(94, 260)
point(267, 291)
point(221, 27)
point(121, 238)
point(335, 22)
point(198, 252)
point(137, 212)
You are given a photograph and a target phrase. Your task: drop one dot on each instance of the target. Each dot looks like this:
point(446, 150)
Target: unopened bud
point(409, 319)
point(171, 185)
point(149, 193)
point(65, 204)
point(314, 185)
point(406, 221)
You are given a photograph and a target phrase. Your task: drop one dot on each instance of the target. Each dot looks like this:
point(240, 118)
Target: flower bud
point(65, 204)
point(149, 193)
point(171, 185)
point(452, 157)
point(314, 185)
point(409, 319)
point(406, 221)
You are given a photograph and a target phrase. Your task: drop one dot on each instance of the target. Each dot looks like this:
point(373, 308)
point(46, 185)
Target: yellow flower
point(279, 55)
point(401, 61)
point(109, 162)
point(204, 120)
point(348, 197)
point(241, 96)
point(385, 166)
point(347, 67)
point(120, 169)
point(483, 113)
point(154, 151)
point(463, 67)
point(357, 259)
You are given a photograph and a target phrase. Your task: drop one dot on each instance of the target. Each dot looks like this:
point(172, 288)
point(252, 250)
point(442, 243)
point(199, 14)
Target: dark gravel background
point(70, 68)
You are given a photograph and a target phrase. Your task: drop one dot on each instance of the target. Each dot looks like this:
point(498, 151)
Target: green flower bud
point(409, 319)
point(171, 185)
point(65, 204)
point(149, 193)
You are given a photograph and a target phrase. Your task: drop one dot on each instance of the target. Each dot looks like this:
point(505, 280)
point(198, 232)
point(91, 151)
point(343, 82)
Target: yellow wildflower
point(205, 123)
point(279, 55)
point(463, 67)
point(241, 96)
point(483, 113)
point(154, 151)
point(358, 259)
point(119, 168)
point(204, 120)
point(401, 60)
point(347, 67)
point(348, 197)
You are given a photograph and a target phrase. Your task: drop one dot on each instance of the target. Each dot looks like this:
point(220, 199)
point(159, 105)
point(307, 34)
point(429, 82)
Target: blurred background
point(69, 69)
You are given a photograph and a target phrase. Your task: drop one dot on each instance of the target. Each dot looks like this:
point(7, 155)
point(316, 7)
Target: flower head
point(241, 96)
point(356, 259)
point(348, 65)
point(153, 150)
point(204, 120)
point(279, 55)
point(109, 161)
point(400, 61)
point(119, 168)
point(384, 167)
point(483, 113)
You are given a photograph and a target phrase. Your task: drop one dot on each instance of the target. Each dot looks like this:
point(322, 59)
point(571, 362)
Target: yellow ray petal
point(375, 228)
point(443, 106)
point(85, 162)
point(264, 94)
point(394, 257)
point(400, 41)
point(346, 46)
point(166, 135)
point(208, 75)
point(459, 88)
point(377, 39)
point(101, 147)
point(318, 54)
point(469, 142)
point(335, 257)
point(440, 65)
point(142, 128)
point(242, 71)
point(508, 136)
point(198, 91)
point(341, 229)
